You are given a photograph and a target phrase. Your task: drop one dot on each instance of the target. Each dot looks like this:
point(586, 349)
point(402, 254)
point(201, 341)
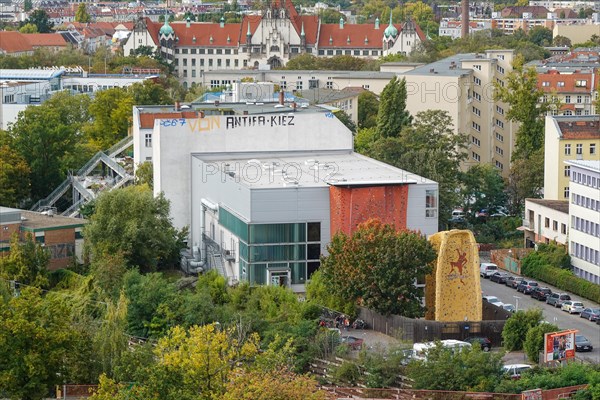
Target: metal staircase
point(82, 194)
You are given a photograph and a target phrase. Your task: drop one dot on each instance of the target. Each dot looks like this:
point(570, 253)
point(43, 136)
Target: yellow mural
point(453, 290)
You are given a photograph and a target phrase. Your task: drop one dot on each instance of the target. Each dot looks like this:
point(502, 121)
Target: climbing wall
point(351, 206)
point(453, 290)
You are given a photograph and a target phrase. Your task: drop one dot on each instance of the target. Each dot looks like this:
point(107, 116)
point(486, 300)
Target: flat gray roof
point(232, 108)
point(312, 170)
point(592, 165)
point(558, 205)
point(29, 74)
point(442, 67)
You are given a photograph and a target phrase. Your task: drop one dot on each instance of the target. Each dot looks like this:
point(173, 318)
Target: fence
point(509, 259)
point(75, 391)
point(421, 330)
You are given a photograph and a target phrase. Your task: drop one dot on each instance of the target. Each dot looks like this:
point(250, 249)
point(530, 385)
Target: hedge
point(563, 279)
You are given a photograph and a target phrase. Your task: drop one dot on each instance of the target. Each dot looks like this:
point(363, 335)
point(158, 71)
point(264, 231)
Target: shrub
point(534, 340)
point(347, 373)
point(517, 326)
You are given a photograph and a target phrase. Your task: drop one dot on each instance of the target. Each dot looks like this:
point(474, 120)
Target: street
point(552, 315)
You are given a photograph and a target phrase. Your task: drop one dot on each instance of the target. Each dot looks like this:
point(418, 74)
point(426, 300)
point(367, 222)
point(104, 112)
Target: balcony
point(527, 224)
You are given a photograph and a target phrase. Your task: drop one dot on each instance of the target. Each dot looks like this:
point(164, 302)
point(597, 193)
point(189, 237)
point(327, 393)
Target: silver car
point(573, 307)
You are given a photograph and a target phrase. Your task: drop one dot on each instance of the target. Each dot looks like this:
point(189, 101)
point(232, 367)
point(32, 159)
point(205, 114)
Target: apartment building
point(577, 90)
point(567, 138)
point(572, 4)
point(463, 85)
point(546, 221)
point(584, 215)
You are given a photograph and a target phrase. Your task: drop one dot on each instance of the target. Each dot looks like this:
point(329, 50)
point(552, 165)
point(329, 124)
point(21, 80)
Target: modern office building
point(263, 187)
point(584, 214)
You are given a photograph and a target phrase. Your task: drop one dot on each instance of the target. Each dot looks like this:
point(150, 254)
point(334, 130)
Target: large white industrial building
point(263, 187)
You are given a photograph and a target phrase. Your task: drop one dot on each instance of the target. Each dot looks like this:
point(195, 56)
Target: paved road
point(553, 315)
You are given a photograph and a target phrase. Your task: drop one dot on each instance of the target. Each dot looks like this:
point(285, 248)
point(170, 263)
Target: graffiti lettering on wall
point(62, 250)
point(259, 120)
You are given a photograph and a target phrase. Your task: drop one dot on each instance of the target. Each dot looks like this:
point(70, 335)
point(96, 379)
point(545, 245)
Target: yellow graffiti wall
point(453, 290)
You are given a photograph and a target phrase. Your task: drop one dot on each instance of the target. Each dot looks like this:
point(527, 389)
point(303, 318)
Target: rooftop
point(449, 66)
point(592, 165)
point(312, 170)
point(37, 221)
point(558, 205)
point(579, 127)
point(30, 74)
point(329, 95)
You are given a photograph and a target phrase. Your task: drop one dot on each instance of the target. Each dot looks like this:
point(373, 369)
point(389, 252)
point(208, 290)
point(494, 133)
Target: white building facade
point(584, 213)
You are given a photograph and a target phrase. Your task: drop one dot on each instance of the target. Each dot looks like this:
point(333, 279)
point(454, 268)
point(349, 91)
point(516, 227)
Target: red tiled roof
point(202, 32)
point(45, 39)
point(568, 81)
point(580, 129)
point(14, 42)
point(254, 21)
point(147, 119)
point(357, 33)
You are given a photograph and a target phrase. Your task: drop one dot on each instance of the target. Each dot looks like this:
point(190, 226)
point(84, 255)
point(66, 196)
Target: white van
point(420, 349)
point(487, 269)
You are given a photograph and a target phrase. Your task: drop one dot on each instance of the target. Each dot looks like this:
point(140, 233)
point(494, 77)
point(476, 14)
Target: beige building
point(577, 33)
point(463, 85)
point(567, 138)
point(345, 99)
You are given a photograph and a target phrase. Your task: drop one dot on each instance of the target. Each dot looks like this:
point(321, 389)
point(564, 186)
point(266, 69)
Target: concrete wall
point(538, 228)
point(577, 33)
point(415, 216)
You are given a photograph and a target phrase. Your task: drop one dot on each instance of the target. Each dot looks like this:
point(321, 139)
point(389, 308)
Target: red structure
point(351, 206)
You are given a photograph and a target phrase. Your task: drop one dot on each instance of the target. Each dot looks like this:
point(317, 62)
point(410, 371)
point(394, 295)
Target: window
point(499, 151)
point(476, 111)
point(193, 51)
point(477, 96)
point(148, 139)
point(567, 170)
point(193, 62)
point(476, 126)
point(567, 149)
point(477, 81)
point(500, 69)
point(431, 202)
point(579, 99)
point(218, 62)
point(475, 141)
point(499, 165)
point(193, 73)
point(329, 85)
point(567, 99)
point(560, 84)
point(299, 85)
point(499, 137)
point(210, 62)
point(579, 148)
point(566, 192)
point(236, 63)
point(185, 62)
point(500, 123)
point(547, 222)
point(476, 156)
point(215, 83)
point(592, 148)
point(580, 83)
point(545, 84)
point(477, 67)
point(563, 229)
point(499, 110)
point(555, 225)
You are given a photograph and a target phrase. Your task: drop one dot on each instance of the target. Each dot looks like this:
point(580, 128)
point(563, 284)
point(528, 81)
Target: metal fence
point(421, 330)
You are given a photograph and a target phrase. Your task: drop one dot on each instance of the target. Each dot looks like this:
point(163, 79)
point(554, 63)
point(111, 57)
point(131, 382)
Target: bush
point(347, 373)
point(534, 340)
point(536, 266)
point(517, 326)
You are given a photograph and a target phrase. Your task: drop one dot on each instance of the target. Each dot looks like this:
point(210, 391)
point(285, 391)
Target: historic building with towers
point(267, 41)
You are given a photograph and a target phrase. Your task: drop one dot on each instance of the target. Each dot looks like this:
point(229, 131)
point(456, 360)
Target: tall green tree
point(110, 111)
point(82, 15)
point(393, 116)
point(14, 177)
point(483, 188)
point(430, 148)
point(540, 35)
point(516, 328)
point(26, 263)
point(378, 265)
point(41, 19)
point(27, 5)
point(49, 137)
point(534, 340)
point(149, 92)
point(133, 222)
point(28, 28)
point(368, 107)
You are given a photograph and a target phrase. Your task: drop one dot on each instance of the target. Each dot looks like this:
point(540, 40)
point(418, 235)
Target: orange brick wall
point(6, 231)
point(59, 236)
point(352, 206)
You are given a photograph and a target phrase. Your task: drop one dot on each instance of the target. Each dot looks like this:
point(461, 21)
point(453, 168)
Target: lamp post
point(516, 302)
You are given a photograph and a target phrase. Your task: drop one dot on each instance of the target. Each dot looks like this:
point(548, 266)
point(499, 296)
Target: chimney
point(465, 19)
point(281, 97)
point(177, 106)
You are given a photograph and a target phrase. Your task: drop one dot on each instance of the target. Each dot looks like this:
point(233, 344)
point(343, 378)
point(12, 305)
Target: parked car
point(583, 344)
point(485, 343)
point(590, 313)
point(517, 282)
point(557, 299)
point(493, 300)
point(540, 293)
point(499, 277)
point(509, 307)
point(353, 342)
point(515, 370)
point(527, 286)
point(487, 269)
point(510, 280)
point(572, 307)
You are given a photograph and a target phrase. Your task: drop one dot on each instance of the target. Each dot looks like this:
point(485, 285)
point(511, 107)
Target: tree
point(82, 15)
point(368, 106)
point(522, 94)
point(28, 28)
point(534, 340)
point(517, 326)
point(469, 369)
point(41, 20)
point(49, 138)
point(392, 115)
point(144, 174)
point(526, 179)
point(37, 344)
point(14, 177)
point(135, 223)
point(110, 111)
point(319, 292)
point(430, 148)
point(540, 35)
point(149, 92)
point(345, 119)
point(110, 340)
point(331, 16)
point(27, 5)
point(378, 265)
point(26, 263)
point(483, 188)
point(562, 41)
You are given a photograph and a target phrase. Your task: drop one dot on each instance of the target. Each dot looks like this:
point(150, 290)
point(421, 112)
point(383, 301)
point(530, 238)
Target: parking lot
point(551, 314)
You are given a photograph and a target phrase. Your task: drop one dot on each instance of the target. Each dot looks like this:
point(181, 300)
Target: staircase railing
point(85, 192)
point(119, 146)
point(54, 196)
point(74, 208)
point(113, 164)
point(90, 165)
